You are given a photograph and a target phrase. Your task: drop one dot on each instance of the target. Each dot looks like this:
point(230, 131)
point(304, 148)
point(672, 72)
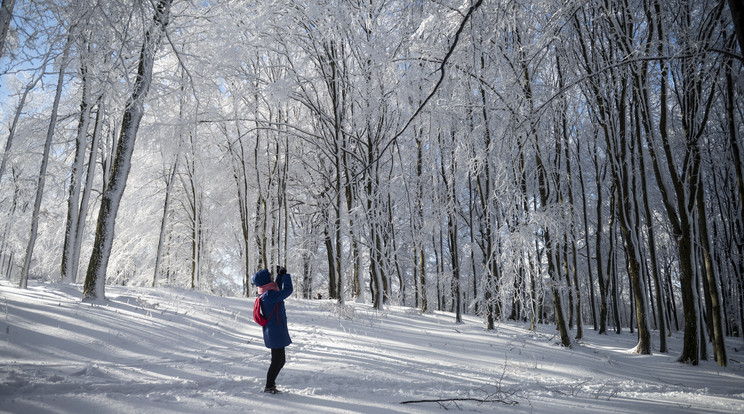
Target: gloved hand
point(280, 270)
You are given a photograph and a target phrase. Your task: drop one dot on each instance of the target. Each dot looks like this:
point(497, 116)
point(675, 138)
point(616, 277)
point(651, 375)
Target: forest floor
point(167, 350)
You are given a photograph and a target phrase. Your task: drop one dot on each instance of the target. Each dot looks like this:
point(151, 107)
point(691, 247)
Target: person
point(275, 333)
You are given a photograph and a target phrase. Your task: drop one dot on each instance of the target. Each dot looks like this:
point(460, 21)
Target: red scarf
point(267, 287)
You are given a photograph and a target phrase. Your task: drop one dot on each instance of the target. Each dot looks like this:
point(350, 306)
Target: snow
point(164, 350)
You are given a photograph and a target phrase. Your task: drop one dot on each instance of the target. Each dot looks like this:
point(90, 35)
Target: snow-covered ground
point(177, 351)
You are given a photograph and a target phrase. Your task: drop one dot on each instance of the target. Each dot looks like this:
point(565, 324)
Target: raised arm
point(285, 289)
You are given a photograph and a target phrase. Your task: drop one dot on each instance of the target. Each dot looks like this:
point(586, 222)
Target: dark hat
point(261, 277)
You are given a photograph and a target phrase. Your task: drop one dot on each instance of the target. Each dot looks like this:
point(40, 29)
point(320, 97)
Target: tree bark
point(331, 260)
point(95, 279)
point(420, 257)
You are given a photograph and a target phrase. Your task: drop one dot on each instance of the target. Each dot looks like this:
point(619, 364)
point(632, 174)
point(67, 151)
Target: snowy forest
point(566, 162)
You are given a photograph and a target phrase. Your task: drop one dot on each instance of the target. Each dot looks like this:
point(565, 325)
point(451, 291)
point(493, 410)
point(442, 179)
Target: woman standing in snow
point(275, 333)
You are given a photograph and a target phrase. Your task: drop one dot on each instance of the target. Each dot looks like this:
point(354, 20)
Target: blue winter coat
point(276, 333)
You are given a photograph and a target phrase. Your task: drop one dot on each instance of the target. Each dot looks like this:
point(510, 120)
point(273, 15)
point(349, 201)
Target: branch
point(452, 47)
point(480, 400)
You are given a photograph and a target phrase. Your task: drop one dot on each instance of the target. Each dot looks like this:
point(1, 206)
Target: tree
point(44, 163)
point(72, 223)
point(683, 171)
point(95, 278)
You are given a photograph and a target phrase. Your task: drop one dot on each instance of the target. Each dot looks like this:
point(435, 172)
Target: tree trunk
point(6, 14)
point(164, 222)
point(355, 255)
point(89, 178)
point(438, 261)
point(337, 225)
point(535, 313)
point(603, 118)
point(711, 280)
point(42, 173)
point(738, 224)
point(193, 190)
point(378, 288)
point(587, 245)
point(6, 259)
point(448, 179)
point(550, 249)
point(612, 260)
point(239, 164)
point(420, 258)
point(331, 261)
point(455, 257)
point(737, 16)
point(661, 319)
point(564, 272)
point(394, 249)
point(95, 278)
point(603, 282)
point(622, 153)
point(639, 294)
point(307, 281)
point(378, 284)
point(471, 232)
point(485, 189)
point(571, 271)
point(261, 210)
point(76, 177)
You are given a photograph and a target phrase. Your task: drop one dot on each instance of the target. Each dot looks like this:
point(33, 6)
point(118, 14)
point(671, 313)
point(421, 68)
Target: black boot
point(272, 390)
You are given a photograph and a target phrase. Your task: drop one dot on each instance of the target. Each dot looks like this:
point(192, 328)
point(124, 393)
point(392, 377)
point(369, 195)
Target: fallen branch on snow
point(480, 400)
point(499, 396)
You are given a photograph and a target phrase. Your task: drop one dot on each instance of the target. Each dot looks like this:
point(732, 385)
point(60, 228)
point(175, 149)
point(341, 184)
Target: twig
point(479, 400)
point(499, 396)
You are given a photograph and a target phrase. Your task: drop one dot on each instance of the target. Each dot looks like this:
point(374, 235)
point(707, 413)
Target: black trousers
point(278, 358)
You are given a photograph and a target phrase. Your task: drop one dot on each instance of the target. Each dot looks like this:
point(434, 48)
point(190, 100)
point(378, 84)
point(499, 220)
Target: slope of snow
point(176, 351)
